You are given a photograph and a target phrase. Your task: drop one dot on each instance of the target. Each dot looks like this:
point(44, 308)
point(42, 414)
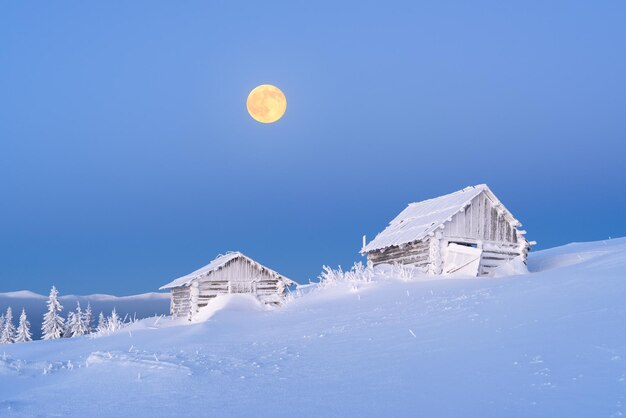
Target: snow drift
point(229, 305)
point(548, 343)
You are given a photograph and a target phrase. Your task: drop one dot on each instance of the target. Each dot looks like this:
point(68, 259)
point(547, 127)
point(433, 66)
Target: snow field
point(548, 343)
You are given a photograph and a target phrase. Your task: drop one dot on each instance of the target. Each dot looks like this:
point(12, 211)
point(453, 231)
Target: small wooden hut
point(468, 232)
point(230, 273)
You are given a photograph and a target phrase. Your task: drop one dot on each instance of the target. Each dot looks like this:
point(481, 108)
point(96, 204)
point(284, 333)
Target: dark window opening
point(465, 244)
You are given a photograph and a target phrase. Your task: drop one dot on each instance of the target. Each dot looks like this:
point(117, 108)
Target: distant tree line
point(78, 322)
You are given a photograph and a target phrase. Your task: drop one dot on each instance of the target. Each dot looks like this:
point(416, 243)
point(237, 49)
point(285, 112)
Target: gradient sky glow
point(127, 156)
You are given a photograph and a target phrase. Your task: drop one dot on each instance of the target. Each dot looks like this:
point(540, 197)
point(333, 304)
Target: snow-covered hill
point(140, 306)
point(549, 343)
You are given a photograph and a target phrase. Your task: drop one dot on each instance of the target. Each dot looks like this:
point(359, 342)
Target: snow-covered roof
point(420, 219)
point(219, 262)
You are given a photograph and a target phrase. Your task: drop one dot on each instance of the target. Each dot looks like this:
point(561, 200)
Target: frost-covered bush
point(111, 324)
point(114, 322)
point(358, 273)
point(362, 274)
point(403, 272)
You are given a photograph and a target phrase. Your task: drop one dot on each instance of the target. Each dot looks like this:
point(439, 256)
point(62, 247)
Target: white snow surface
point(422, 218)
point(548, 343)
point(233, 303)
point(513, 267)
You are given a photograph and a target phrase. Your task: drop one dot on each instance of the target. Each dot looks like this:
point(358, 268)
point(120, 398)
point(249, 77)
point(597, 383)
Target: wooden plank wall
point(481, 221)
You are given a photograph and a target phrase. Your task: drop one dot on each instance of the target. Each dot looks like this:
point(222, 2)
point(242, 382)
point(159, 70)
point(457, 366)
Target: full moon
point(266, 103)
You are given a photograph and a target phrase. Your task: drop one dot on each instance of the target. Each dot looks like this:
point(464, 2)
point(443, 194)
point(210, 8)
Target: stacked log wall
point(181, 302)
point(415, 254)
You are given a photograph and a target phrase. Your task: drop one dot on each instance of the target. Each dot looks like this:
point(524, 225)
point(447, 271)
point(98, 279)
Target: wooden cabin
point(229, 273)
point(468, 233)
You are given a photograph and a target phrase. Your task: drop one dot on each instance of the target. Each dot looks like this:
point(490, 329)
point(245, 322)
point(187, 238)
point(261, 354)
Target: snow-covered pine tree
point(23, 329)
point(102, 323)
point(77, 326)
point(114, 322)
point(1, 322)
point(52, 327)
point(87, 319)
point(7, 336)
point(70, 324)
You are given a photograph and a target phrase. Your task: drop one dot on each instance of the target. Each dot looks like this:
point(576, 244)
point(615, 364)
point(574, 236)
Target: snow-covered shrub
point(358, 273)
point(404, 272)
point(114, 322)
point(330, 275)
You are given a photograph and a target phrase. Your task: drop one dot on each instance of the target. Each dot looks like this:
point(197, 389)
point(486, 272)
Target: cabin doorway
point(462, 260)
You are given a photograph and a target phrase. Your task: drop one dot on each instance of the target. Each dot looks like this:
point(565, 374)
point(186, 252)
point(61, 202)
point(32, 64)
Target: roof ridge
point(481, 186)
point(227, 253)
point(219, 264)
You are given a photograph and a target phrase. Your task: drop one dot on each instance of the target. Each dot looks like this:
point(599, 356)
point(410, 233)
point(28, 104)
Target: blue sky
point(127, 157)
